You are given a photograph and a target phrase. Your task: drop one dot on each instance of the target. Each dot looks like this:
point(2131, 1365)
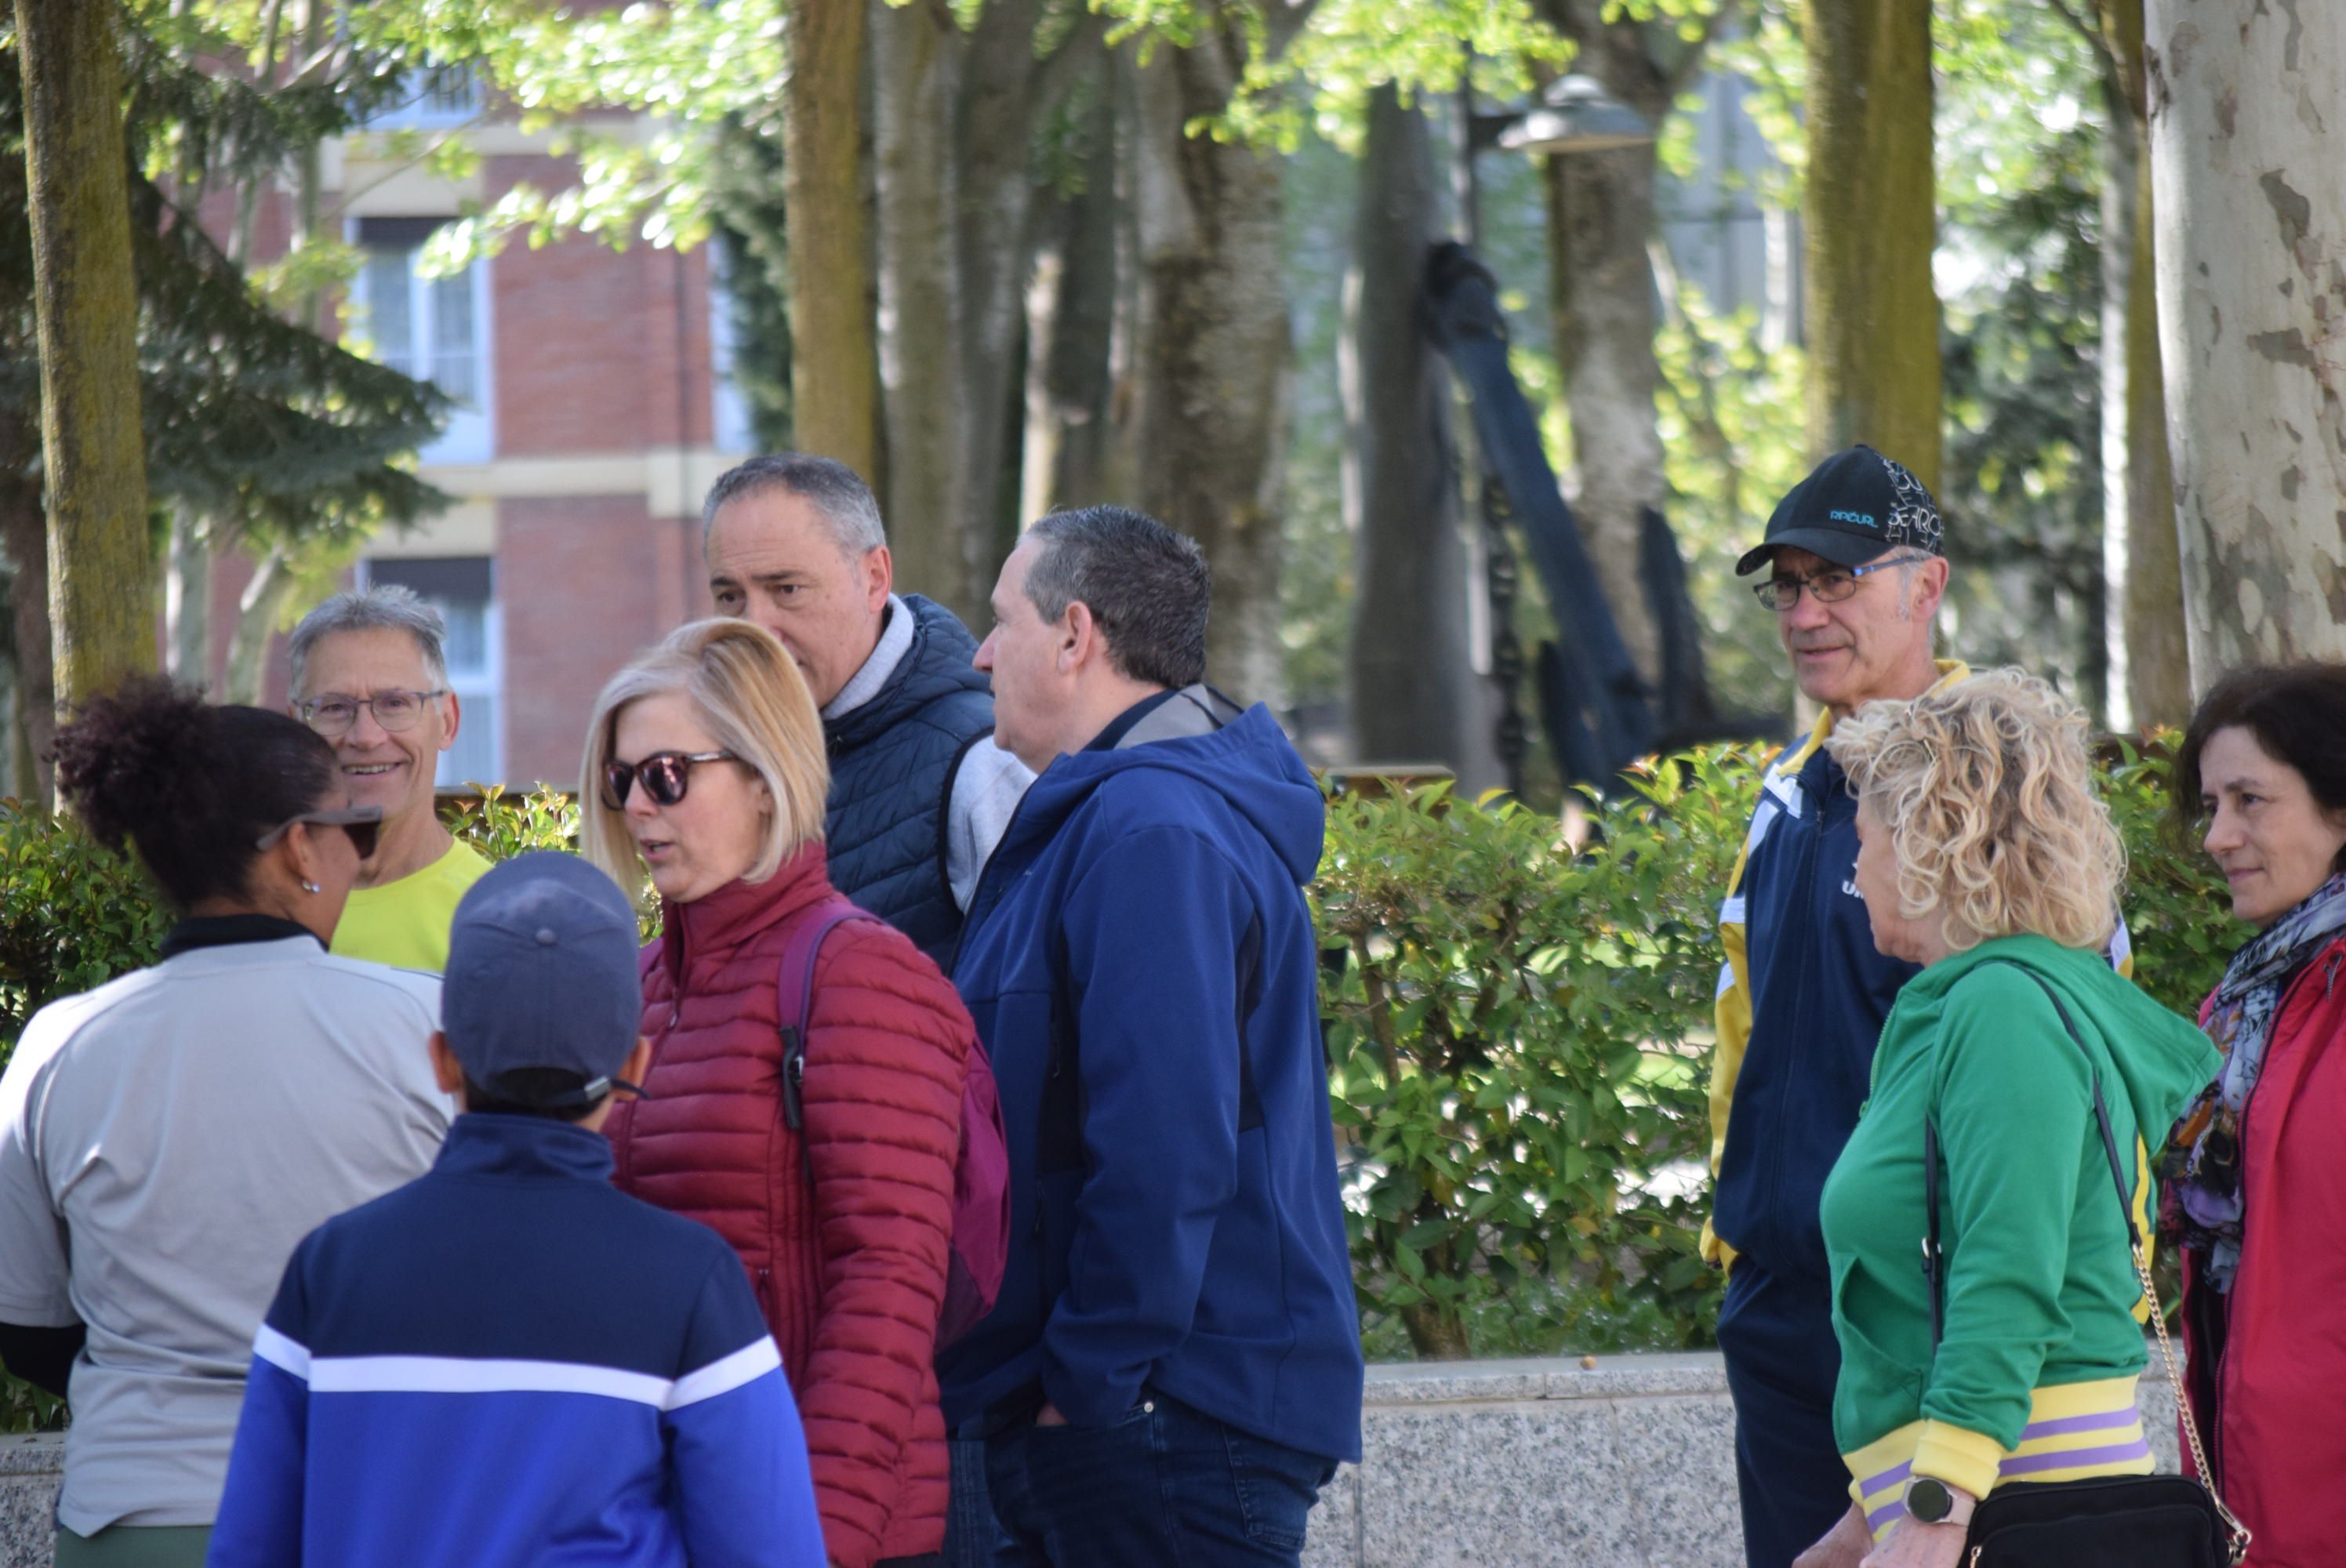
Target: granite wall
point(1627, 1460)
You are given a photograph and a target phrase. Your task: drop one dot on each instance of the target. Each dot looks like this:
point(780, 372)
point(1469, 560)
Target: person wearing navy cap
point(1856, 561)
point(508, 1362)
point(1856, 566)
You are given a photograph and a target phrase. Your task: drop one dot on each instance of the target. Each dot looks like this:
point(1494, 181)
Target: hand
point(1843, 1546)
point(1913, 1544)
point(1049, 1416)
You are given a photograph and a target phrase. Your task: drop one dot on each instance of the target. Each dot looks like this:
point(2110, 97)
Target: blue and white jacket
point(509, 1362)
point(1801, 999)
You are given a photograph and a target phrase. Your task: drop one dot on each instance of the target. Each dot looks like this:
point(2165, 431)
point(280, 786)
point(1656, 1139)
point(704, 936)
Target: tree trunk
point(102, 609)
point(24, 539)
point(834, 368)
point(1600, 212)
point(1070, 326)
point(1212, 360)
point(915, 58)
point(2149, 666)
point(1872, 313)
point(188, 597)
point(1414, 694)
point(2248, 133)
point(992, 136)
point(258, 612)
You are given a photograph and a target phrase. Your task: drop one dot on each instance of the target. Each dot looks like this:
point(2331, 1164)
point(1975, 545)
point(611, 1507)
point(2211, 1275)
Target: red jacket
point(851, 1275)
point(2269, 1400)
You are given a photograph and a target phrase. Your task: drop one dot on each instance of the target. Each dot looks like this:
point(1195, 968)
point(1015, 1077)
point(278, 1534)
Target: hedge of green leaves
point(1518, 1029)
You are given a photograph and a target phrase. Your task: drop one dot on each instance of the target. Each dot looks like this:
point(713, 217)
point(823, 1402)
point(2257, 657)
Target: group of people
point(407, 1212)
point(1929, 1045)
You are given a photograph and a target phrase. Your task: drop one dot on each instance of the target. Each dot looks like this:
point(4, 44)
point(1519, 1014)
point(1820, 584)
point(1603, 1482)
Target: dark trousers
point(1165, 1487)
point(970, 1532)
point(1777, 1337)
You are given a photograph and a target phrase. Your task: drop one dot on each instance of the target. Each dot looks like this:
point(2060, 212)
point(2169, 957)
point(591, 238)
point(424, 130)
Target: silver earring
point(310, 887)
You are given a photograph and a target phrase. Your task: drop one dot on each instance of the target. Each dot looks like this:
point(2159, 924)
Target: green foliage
point(500, 824)
point(249, 415)
point(2178, 909)
point(1517, 1034)
point(2019, 265)
point(73, 914)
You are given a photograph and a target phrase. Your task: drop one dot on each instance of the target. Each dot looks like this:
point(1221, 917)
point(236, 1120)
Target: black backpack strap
point(1933, 1259)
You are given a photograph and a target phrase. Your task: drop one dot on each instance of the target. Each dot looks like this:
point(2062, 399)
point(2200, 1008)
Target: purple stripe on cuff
point(2101, 1420)
point(1893, 1509)
point(2068, 1458)
point(1896, 1475)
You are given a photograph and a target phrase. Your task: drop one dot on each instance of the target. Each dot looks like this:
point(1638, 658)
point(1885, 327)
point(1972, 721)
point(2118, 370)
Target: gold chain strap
point(2239, 1531)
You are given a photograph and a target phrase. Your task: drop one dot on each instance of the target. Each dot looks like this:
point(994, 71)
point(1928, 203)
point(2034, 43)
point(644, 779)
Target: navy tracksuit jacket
point(508, 1363)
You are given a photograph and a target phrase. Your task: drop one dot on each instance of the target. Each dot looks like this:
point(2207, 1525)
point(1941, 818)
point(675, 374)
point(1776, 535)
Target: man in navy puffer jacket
point(1174, 1363)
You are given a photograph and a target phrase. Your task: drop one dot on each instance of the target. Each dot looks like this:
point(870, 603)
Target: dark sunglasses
point(663, 775)
point(359, 822)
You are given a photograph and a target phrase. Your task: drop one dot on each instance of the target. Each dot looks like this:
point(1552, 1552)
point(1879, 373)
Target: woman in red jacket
point(2260, 1205)
point(706, 765)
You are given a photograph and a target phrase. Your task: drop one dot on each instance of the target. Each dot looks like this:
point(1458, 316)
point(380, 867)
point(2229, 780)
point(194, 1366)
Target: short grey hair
point(829, 486)
point(388, 607)
point(1147, 587)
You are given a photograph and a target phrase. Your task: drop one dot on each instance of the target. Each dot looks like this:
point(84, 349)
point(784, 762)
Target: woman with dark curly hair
point(166, 1138)
point(2259, 1202)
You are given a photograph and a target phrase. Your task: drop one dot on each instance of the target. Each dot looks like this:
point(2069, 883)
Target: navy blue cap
point(542, 974)
point(1853, 508)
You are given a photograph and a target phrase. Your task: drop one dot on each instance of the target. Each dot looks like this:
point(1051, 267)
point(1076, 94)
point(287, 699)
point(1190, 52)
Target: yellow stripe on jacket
point(2075, 1430)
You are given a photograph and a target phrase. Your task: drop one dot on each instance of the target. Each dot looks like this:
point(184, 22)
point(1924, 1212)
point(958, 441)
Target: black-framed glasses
point(361, 823)
point(333, 715)
point(663, 775)
point(1831, 587)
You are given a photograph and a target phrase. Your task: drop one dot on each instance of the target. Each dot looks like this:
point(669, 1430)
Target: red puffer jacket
point(851, 1274)
point(2268, 1399)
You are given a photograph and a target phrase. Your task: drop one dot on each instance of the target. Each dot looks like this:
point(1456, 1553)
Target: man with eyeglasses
point(370, 676)
point(1856, 571)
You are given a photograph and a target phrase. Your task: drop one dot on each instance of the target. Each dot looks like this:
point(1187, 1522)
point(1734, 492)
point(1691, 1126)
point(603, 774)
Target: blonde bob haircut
point(749, 692)
point(1988, 795)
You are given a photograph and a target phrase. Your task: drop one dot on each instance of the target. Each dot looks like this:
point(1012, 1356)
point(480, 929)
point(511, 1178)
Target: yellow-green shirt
point(406, 924)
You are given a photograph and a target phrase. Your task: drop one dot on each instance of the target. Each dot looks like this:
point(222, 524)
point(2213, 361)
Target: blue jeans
point(1165, 1487)
point(970, 1532)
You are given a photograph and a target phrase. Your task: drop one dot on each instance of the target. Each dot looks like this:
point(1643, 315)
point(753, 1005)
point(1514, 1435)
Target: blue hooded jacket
point(1140, 962)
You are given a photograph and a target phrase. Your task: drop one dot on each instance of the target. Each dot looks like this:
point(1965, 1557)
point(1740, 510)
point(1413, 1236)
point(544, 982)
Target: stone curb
point(1627, 1460)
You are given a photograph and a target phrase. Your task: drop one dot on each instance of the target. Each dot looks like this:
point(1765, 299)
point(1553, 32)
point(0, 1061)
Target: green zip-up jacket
point(2040, 1288)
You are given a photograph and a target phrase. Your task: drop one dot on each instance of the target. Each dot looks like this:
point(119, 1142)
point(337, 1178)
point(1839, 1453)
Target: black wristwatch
point(1930, 1501)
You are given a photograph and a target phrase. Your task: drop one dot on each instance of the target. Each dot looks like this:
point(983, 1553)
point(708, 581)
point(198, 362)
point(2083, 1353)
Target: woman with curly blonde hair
point(1987, 857)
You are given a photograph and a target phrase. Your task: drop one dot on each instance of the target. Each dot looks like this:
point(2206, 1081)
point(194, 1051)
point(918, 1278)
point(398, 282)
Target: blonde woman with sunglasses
point(825, 1156)
point(166, 1138)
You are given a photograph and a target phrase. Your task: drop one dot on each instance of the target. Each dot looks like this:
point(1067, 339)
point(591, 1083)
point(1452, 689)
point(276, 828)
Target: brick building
point(594, 413)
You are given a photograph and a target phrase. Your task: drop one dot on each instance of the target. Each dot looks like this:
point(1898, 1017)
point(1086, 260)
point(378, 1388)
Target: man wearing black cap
point(1855, 573)
point(508, 1362)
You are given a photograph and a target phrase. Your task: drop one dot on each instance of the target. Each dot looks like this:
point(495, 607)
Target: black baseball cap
point(542, 974)
point(1854, 506)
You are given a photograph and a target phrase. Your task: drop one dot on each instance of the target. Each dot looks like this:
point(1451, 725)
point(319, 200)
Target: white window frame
point(730, 429)
point(468, 685)
point(416, 109)
point(471, 436)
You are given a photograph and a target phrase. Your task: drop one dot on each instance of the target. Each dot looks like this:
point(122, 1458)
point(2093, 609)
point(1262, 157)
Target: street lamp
point(1573, 114)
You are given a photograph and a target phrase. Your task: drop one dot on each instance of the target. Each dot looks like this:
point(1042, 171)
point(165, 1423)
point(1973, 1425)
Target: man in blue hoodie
point(1173, 1367)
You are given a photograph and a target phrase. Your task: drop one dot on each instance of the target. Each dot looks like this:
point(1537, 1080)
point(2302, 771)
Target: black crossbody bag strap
point(1934, 1259)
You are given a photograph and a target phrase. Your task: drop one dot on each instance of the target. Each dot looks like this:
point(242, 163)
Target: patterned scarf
point(2205, 1210)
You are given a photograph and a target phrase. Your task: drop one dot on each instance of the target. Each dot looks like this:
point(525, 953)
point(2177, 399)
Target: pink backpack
point(981, 1206)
